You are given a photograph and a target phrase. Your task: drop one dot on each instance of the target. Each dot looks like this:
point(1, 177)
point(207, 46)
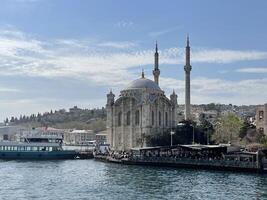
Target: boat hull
point(38, 155)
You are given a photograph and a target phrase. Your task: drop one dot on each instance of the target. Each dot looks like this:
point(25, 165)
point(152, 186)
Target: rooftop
point(143, 83)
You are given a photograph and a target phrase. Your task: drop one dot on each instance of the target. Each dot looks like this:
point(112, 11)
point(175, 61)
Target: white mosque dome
point(143, 83)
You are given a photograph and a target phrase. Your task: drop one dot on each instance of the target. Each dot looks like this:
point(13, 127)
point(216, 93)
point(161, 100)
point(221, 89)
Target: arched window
point(159, 118)
point(153, 118)
point(137, 117)
point(128, 118)
point(166, 119)
point(119, 119)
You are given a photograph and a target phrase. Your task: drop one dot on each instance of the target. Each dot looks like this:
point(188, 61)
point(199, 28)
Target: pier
point(213, 157)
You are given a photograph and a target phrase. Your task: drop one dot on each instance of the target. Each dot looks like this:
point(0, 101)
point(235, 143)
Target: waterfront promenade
point(217, 157)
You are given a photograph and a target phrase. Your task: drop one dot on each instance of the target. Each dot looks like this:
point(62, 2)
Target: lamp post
point(172, 133)
point(193, 142)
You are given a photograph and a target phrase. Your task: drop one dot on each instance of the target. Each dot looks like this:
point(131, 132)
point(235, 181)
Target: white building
point(142, 111)
point(79, 136)
point(11, 133)
point(101, 137)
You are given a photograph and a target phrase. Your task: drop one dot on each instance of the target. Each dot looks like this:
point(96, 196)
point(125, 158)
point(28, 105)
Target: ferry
point(36, 148)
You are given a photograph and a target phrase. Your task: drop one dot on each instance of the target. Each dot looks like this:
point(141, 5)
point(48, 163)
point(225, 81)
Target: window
point(159, 118)
point(128, 118)
point(153, 118)
point(34, 148)
point(166, 119)
point(5, 137)
point(137, 117)
point(119, 119)
point(261, 113)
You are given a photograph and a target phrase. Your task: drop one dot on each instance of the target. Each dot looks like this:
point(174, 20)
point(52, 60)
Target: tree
point(6, 121)
point(264, 141)
point(12, 119)
point(207, 129)
point(228, 129)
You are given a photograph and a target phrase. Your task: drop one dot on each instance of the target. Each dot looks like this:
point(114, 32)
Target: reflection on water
point(89, 179)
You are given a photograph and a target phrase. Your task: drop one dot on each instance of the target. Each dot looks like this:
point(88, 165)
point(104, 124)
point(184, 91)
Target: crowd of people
point(182, 153)
point(171, 153)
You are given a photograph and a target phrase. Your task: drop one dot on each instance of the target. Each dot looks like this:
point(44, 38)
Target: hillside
point(75, 118)
point(95, 119)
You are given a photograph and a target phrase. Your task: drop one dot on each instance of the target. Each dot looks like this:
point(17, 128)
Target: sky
point(55, 54)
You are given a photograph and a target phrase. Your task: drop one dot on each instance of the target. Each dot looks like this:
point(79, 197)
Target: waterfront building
point(79, 137)
point(11, 133)
point(187, 69)
point(50, 131)
point(261, 119)
point(101, 137)
point(142, 111)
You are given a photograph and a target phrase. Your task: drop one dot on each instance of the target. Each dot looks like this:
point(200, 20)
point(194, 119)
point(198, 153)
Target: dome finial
point(143, 74)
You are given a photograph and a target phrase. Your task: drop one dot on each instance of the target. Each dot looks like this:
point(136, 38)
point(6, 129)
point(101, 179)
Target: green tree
point(228, 129)
point(244, 129)
point(264, 141)
point(207, 129)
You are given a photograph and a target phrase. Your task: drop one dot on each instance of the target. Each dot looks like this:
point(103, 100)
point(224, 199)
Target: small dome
point(143, 83)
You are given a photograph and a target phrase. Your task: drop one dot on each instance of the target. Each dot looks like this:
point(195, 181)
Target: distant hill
point(95, 119)
point(75, 118)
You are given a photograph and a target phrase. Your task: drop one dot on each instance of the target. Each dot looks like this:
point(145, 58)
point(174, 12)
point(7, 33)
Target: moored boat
point(36, 148)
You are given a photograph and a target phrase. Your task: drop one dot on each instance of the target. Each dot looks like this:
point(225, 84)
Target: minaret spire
point(143, 74)
point(187, 69)
point(187, 62)
point(156, 71)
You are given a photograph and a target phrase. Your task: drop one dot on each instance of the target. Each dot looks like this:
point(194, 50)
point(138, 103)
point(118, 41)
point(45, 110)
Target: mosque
point(142, 110)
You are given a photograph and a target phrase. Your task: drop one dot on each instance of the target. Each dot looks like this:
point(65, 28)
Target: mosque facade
point(142, 111)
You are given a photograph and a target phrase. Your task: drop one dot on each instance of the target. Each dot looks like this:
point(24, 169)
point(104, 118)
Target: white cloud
point(118, 45)
point(205, 90)
point(253, 70)
point(7, 89)
point(163, 31)
point(226, 56)
point(84, 59)
point(89, 60)
point(124, 24)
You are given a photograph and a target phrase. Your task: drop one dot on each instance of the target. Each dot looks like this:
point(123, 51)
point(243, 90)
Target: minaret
point(143, 74)
point(110, 98)
point(187, 69)
point(156, 71)
point(110, 110)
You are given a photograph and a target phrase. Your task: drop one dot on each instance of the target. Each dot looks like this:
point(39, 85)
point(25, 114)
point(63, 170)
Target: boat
point(36, 148)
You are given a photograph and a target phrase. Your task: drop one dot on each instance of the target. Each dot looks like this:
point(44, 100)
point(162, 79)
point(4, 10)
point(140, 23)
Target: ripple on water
point(88, 179)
